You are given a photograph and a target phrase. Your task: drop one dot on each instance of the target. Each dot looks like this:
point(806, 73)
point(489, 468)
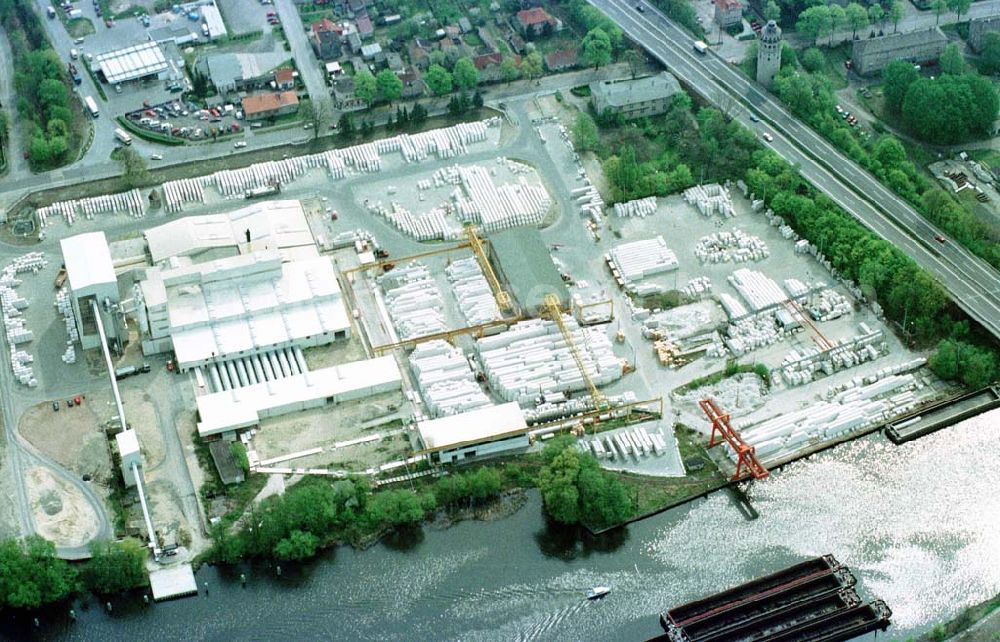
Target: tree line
point(32, 576)
point(577, 491)
point(51, 116)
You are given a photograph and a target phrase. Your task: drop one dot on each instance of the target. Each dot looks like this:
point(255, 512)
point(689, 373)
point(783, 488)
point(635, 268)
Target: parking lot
point(181, 119)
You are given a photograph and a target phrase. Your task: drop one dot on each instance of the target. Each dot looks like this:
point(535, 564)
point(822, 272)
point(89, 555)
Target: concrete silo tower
point(768, 53)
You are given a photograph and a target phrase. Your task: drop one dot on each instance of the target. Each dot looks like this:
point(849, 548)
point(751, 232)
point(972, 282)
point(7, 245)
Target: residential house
point(365, 28)
point(356, 7)
point(372, 51)
point(333, 69)
point(488, 66)
point(635, 98)
point(419, 52)
point(343, 95)
point(728, 13)
point(284, 79)
point(464, 25)
point(872, 55)
point(536, 22)
point(324, 35)
point(353, 41)
point(452, 31)
point(394, 61)
point(562, 59)
point(270, 105)
point(413, 83)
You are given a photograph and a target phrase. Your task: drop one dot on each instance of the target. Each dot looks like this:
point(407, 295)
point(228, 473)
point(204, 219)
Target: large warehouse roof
point(213, 20)
point(243, 407)
point(273, 225)
point(475, 426)
point(521, 256)
point(130, 63)
point(245, 303)
point(88, 260)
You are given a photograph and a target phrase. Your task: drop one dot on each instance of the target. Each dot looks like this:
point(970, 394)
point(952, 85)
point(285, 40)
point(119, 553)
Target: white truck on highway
point(124, 137)
point(700, 46)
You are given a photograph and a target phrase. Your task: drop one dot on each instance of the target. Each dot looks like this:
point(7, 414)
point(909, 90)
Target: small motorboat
point(597, 592)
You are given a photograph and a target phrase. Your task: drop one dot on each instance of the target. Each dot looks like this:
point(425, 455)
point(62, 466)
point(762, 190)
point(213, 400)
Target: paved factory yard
point(329, 427)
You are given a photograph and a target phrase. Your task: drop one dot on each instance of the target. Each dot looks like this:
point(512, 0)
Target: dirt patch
point(72, 437)
point(60, 511)
point(334, 354)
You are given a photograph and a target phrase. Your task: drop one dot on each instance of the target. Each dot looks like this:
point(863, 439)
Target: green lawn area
point(835, 70)
point(990, 157)
point(80, 27)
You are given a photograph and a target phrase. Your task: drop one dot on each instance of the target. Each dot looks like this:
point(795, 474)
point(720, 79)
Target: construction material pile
point(858, 409)
point(758, 290)
point(802, 367)
point(731, 247)
point(828, 305)
point(12, 306)
point(65, 306)
point(532, 358)
point(752, 332)
point(494, 207)
point(130, 202)
point(640, 208)
point(413, 300)
point(475, 298)
point(882, 373)
point(641, 259)
point(622, 444)
point(446, 380)
point(590, 202)
point(697, 287)
point(430, 226)
point(710, 199)
point(555, 406)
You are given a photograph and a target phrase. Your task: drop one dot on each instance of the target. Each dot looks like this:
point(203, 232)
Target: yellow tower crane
point(504, 301)
point(554, 311)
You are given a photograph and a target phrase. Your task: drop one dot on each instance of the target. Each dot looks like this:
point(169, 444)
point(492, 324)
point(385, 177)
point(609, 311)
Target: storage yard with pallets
point(453, 295)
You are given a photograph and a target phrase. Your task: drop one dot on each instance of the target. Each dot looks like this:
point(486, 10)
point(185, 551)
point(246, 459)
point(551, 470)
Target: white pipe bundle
point(186, 190)
point(710, 199)
point(475, 297)
point(758, 290)
point(445, 379)
point(130, 202)
point(499, 207)
point(640, 259)
point(640, 208)
point(731, 247)
point(413, 301)
point(532, 359)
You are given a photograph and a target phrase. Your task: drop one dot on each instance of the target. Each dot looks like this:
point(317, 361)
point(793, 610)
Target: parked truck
point(130, 371)
point(700, 47)
point(91, 106)
point(50, 11)
point(74, 74)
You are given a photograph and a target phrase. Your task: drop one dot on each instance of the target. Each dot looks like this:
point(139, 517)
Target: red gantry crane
point(746, 458)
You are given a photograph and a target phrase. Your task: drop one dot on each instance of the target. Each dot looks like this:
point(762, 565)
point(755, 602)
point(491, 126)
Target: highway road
point(972, 283)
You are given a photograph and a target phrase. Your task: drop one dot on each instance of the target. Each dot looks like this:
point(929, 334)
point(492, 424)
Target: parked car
point(240, 144)
point(156, 157)
point(109, 23)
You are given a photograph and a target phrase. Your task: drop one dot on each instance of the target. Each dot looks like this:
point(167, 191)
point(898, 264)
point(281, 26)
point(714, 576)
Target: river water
point(919, 524)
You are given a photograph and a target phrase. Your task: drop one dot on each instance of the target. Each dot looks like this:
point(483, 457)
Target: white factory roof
point(274, 225)
point(213, 20)
point(242, 407)
point(133, 62)
point(472, 427)
point(245, 303)
point(88, 260)
point(128, 443)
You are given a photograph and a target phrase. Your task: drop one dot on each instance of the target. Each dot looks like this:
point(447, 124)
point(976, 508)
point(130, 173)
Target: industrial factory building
point(493, 430)
point(91, 279)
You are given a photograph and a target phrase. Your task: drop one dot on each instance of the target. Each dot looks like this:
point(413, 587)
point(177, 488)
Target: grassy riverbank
point(983, 617)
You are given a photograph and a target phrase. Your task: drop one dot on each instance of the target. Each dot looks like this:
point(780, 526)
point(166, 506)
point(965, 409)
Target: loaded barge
point(812, 600)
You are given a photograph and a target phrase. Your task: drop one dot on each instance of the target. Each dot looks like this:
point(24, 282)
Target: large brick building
point(872, 55)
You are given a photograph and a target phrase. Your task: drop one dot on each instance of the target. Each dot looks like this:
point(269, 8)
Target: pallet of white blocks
point(178, 193)
point(710, 199)
point(734, 246)
point(413, 301)
point(532, 359)
point(640, 208)
point(130, 202)
point(430, 226)
point(589, 201)
point(641, 259)
point(697, 287)
point(828, 305)
point(758, 290)
point(499, 207)
point(445, 379)
point(753, 332)
point(476, 300)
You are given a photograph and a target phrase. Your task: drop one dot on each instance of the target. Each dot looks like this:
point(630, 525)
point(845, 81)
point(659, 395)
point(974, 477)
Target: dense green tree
point(989, 58)
point(345, 126)
point(116, 566)
point(956, 360)
point(634, 60)
point(299, 545)
point(838, 18)
point(134, 169)
point(532, 65)
point(596, 48)
point(772, 11)
point(938, 7)
point(557, 483)
point(31, 575)
point(896, 80)
point(395, 508)
point(585, 136)
point(575, 489)
point(950, 109)
point(814, 22)
point(438, 80)
point(951, 60)
point(365, 86)
point(509, 70)
point(876, 14)
point(419, 114)
point(466, 75)
point(390, 87)
point(857, 18)
point(897, 11)
point(959, 7)
point(813, 59)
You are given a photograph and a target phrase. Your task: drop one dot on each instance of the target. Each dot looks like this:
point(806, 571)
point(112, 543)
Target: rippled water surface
point(919, 524)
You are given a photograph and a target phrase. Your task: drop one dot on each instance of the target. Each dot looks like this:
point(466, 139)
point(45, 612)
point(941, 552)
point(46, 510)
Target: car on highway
point(640, 8)
point(939, 238)
point(754, 118)
point(156, 157)
point(768, 137)
point(240, 144)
